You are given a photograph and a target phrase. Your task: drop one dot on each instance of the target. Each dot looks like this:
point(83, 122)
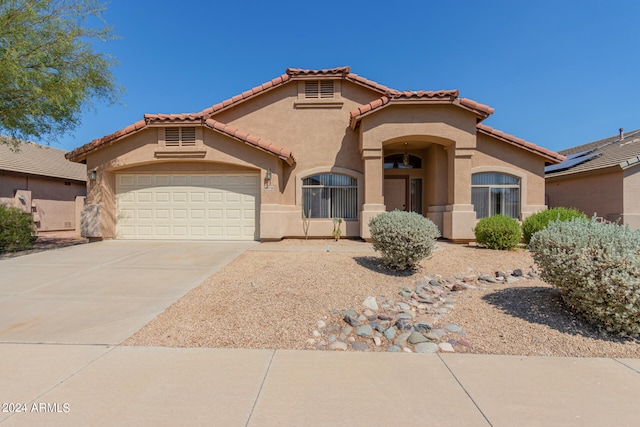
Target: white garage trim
point(187, 207)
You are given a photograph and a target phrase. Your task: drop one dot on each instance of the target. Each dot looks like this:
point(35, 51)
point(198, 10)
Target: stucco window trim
point(330, 169)
point(508, 171)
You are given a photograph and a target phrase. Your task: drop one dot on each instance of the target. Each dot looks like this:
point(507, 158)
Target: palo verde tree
point(49, 70)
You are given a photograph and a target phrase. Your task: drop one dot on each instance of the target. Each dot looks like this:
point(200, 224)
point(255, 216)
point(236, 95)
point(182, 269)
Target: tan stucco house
point(38, 179)
point(601, 178)
point(328, 143)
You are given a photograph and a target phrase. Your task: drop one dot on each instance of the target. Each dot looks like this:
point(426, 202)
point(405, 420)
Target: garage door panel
point(181, 206)
point(144, 197)
point(179, 197)
point(197, 180)
point(163, 180)
point(162, 197)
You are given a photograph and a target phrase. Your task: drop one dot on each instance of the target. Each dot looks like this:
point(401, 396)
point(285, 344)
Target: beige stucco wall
point(494, 155)
point(319, 136)
point(143, 153)
point(320, 139)
point(41, 187)
point(631, 194)
point(51, 200)
point(591, 193)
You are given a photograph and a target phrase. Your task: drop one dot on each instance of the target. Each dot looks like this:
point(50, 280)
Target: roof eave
point(552, 156)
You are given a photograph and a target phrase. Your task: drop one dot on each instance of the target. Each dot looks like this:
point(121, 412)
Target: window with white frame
point(494, 193)
point(330, 195)
point(180, 137)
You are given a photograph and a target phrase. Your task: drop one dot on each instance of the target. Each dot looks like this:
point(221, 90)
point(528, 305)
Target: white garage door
point(187, 207)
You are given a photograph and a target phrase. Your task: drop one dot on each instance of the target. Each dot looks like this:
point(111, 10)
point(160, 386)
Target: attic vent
point(180, 136)
point(318, 89)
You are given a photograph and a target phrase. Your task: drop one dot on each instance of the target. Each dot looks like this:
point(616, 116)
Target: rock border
point(413, 322)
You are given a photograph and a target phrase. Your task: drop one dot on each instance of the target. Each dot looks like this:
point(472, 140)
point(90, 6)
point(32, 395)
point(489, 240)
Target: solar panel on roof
point(569, 163)
point(580, 154)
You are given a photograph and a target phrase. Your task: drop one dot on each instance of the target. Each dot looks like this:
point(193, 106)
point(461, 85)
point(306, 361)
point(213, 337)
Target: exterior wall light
point(268, 175)
point(92, 175)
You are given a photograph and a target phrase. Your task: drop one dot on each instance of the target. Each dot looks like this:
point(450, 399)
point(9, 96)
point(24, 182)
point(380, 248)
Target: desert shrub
point(596, 266)
point(498, 232)
point(540, 220)
point(17, 230)
point(403, 238)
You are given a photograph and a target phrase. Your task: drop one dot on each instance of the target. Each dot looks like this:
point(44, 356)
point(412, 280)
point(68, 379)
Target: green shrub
point(403, 238)
point(498, 232)
point(597, 269)
point(17, 230)
point(540, 220)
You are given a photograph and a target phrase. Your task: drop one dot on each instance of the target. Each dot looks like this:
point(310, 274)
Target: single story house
point(601, 178)
point(309, 143)
point(40, 180)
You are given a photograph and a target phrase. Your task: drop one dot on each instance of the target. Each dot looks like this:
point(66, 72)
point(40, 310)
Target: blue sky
point(558, 73)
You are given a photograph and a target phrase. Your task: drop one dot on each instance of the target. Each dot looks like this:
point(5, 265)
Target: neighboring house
point(39, 179)
point(601, 177)
point(328, 143)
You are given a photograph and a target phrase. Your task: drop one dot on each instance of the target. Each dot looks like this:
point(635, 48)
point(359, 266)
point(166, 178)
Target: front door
point(395, 193)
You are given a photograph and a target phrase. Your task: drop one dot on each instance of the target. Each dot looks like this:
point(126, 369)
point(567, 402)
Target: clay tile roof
point(371, 84)
point(367, 108)
point(246, 94)
point(519, 142)
point(438, 96)
point(423, 94)
point(96, 143)
point(41, 160)
point(254, 141)
point(324, 72)
point(476, 106)
point(172, 118)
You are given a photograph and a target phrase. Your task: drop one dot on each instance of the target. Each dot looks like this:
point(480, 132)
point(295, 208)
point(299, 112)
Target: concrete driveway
point(101, 293)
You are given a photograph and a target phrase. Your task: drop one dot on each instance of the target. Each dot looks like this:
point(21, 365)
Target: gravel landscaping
point(296, 294)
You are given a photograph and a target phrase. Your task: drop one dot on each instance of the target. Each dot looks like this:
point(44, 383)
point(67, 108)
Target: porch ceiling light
point(405, 156)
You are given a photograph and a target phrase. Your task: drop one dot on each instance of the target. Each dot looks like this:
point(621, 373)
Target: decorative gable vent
point(180, 136)
point(318, 89)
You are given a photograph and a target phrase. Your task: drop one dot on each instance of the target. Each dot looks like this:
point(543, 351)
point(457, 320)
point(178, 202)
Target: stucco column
point(459, 218)
point(373, 188)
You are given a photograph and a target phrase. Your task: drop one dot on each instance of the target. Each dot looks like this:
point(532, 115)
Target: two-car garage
point(187, 206)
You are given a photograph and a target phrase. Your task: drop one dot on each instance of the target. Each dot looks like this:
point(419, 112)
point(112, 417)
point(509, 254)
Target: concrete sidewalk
point(73, 385)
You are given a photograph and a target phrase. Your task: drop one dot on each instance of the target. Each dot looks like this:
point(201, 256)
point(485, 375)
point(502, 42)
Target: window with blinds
point(180, 137)
point(330, 195)
point(318, 89)
point(495, 194)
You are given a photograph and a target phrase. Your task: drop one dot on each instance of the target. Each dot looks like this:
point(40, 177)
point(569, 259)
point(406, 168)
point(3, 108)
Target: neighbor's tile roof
point(611, 151)
point(519, 142)
point(41, 160)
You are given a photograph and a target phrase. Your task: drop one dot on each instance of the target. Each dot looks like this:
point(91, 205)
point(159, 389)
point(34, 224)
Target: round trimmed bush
point(403, 238)
point(540, 221)
point(498, 232)
point(596, 266)
point(17, 229)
